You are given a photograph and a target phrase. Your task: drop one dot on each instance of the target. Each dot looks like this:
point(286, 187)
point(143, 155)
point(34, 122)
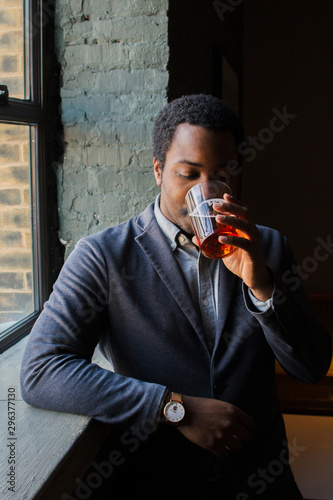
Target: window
point(24, 281)
point(16, 263)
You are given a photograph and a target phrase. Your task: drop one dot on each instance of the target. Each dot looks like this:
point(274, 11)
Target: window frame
point(31, 112)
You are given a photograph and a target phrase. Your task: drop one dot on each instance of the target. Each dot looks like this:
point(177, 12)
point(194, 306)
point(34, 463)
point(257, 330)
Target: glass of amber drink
point(200, 200)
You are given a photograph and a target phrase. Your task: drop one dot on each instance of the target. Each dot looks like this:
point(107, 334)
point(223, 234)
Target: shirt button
point(205, 302)
point(173, 245)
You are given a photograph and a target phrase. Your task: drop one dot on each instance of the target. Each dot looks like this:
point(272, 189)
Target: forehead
point(193, 140)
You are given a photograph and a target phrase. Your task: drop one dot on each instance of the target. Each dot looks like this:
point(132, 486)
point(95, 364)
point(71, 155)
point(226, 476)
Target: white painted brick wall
point(114, 57)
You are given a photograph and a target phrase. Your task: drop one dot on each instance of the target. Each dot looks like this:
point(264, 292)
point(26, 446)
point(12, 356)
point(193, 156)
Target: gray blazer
point(122, 288)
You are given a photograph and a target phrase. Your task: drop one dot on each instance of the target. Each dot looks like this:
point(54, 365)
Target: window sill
point(48, 450)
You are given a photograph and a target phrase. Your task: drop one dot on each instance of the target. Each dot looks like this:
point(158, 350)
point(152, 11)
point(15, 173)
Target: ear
point(157, 172)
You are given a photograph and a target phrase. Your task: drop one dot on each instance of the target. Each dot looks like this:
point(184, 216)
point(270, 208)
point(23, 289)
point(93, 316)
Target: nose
point(206, 175)
point(209, 175)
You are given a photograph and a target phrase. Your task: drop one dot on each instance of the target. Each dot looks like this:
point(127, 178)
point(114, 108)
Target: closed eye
point(188, 177)
point(219, 176)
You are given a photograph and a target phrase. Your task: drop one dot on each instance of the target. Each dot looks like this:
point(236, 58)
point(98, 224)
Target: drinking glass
point(200, 200)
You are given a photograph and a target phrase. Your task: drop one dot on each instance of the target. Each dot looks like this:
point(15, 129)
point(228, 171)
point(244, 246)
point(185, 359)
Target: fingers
point(217, 426)
point(237, 429)
point(195, 241)
point(243, 434)
point(236, 215)
point(231, 441)
point(235, 241)
point(234, 207)
point(240, 425)
point(242, 225)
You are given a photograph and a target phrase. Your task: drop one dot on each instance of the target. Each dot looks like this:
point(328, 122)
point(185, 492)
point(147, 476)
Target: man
point(179, 327)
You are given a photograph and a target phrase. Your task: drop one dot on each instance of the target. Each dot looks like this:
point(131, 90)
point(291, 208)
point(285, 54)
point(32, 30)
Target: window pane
point(14, 47)
point(16, 249)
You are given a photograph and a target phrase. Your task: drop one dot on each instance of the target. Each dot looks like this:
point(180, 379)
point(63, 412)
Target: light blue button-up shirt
point(201, 274)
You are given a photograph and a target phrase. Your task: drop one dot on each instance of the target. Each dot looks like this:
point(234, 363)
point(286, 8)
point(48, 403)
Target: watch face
point(174, 411)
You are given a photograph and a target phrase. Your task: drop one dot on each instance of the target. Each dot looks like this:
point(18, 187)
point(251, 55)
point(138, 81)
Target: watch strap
point(175, 396)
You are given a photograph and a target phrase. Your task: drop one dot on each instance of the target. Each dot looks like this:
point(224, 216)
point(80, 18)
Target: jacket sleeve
point(57, 372)
point(300, 343)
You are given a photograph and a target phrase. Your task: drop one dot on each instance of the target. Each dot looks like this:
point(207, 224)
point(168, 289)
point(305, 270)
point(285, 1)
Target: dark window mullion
point(35, 30)
point(21, 112)
point(41, 257)
point(17, 332)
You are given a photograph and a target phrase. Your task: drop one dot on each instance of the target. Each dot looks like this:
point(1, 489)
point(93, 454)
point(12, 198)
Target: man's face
point(196, 155)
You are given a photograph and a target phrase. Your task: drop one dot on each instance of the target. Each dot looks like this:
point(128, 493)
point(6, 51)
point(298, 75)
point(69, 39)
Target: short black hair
point(199, 109)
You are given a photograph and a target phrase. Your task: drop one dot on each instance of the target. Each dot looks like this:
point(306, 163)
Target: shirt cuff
point(259, 304)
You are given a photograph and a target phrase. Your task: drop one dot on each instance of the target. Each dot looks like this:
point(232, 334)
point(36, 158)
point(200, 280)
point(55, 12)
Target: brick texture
point(15, 222)
point(15, 214)
point(114, 57)
point(11, 47)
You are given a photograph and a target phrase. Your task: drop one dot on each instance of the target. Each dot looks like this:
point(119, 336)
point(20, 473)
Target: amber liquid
point(210, 247)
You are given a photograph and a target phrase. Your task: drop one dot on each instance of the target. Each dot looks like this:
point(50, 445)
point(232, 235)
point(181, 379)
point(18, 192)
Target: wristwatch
point(174, 410)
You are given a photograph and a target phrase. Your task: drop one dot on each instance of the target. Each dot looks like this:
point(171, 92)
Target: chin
point(184, 222)
point(187, 228)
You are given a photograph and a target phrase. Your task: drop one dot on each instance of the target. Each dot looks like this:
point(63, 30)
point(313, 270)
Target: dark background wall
point(288, 64)
point(197, 37)
point(282, 54)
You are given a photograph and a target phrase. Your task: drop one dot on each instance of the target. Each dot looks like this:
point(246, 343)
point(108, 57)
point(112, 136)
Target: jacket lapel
point(159, 252)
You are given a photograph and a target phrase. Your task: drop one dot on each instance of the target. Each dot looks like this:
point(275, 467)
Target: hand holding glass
point(200, 200)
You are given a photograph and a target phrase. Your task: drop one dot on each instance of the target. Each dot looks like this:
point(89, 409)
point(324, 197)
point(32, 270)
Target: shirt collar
point(169, 230)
